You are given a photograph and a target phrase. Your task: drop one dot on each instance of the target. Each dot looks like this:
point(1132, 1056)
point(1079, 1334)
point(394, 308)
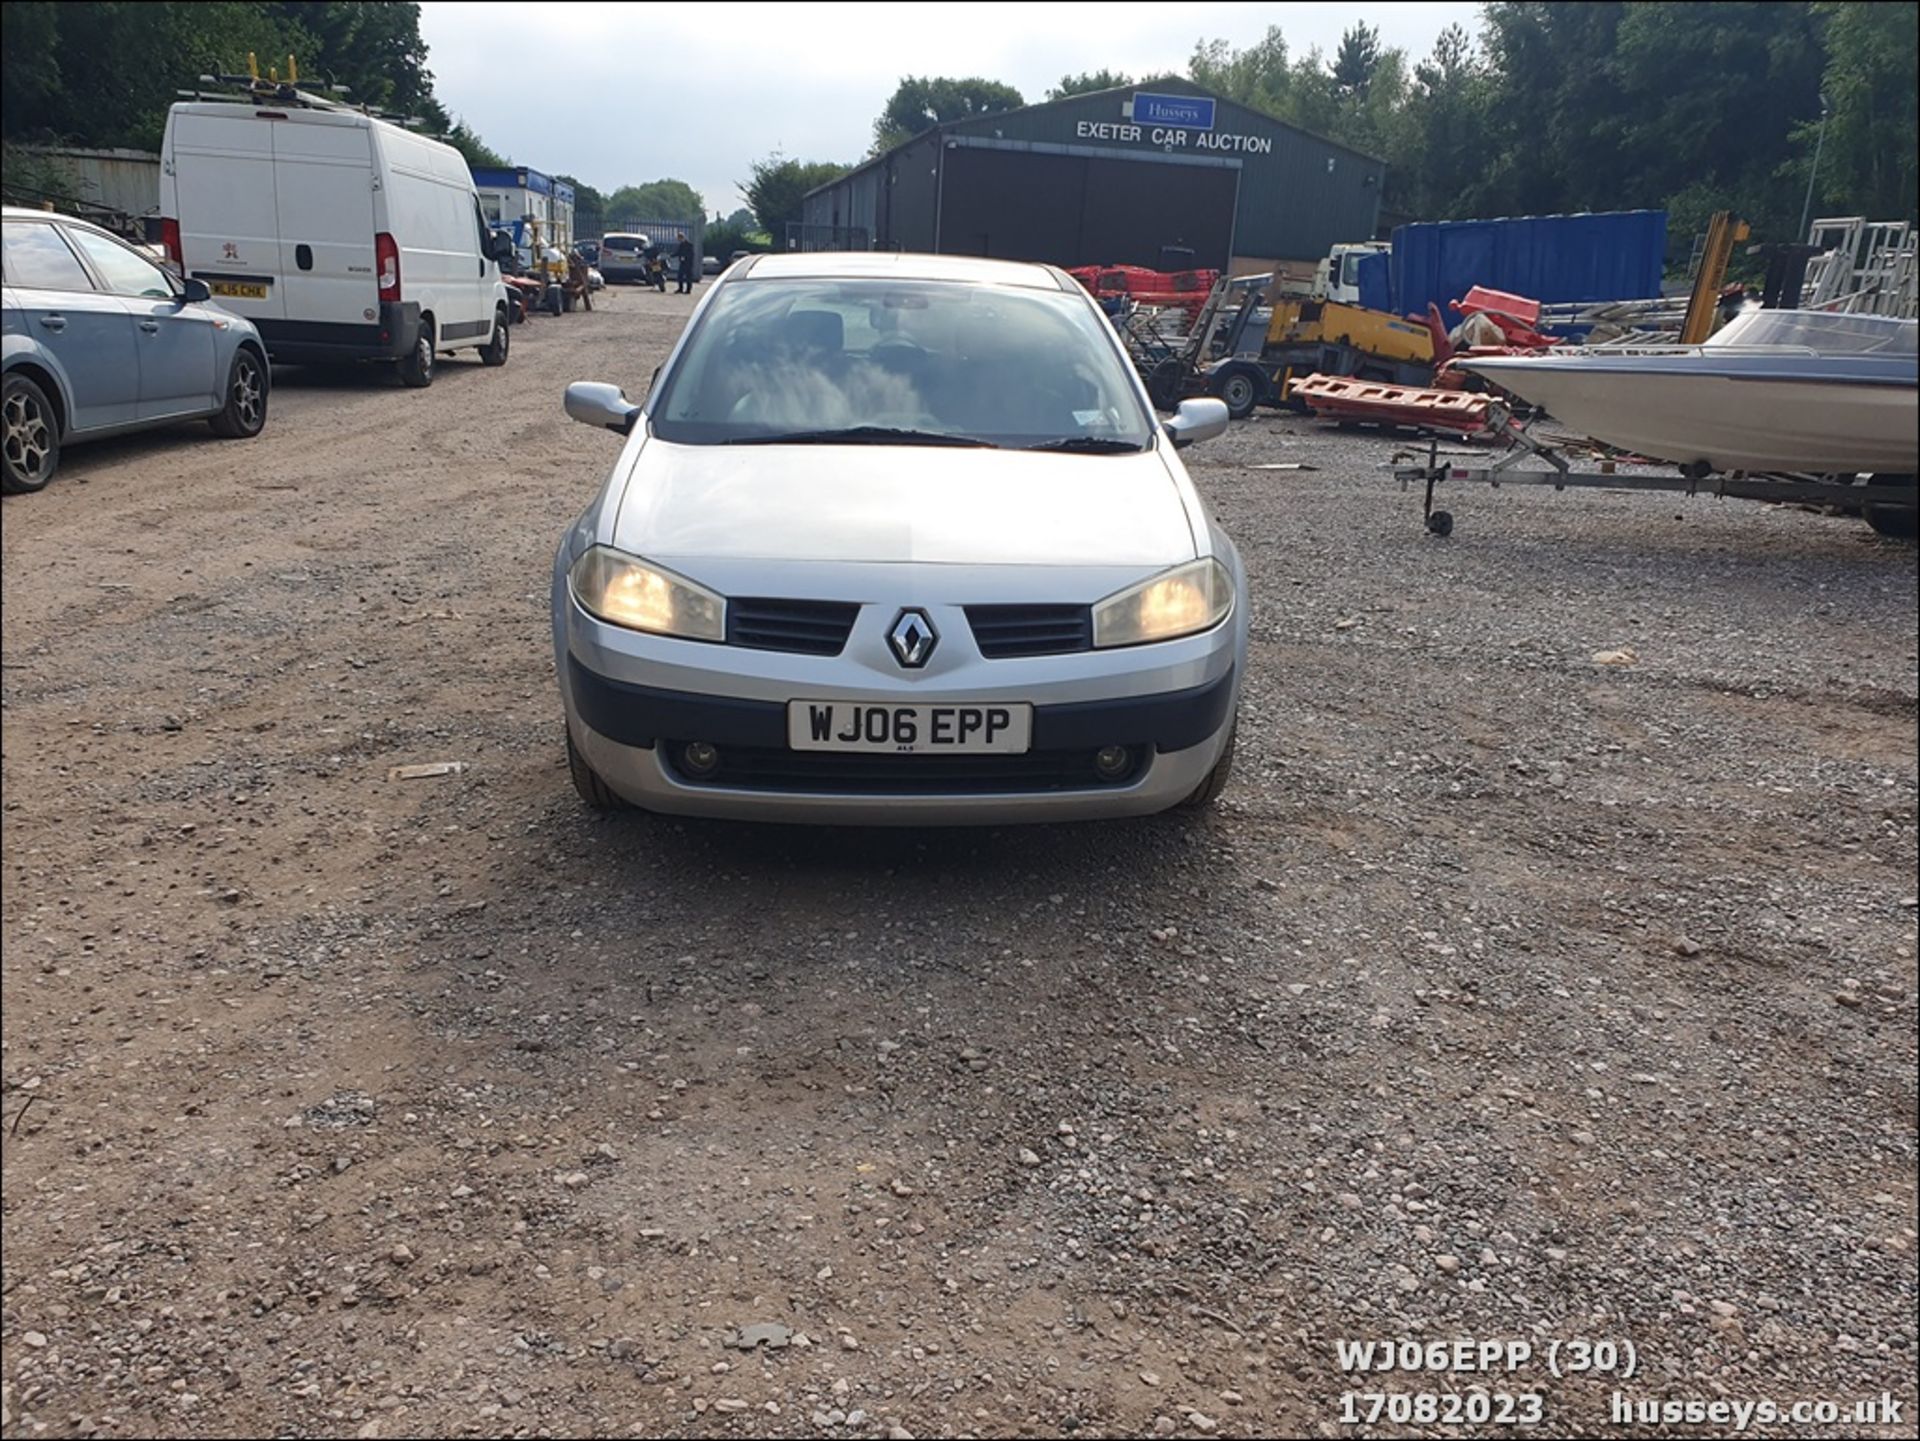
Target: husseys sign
point(1171, 122)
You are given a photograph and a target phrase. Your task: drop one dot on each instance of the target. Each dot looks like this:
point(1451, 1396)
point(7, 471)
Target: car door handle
point(54, 322)
point(152, 327)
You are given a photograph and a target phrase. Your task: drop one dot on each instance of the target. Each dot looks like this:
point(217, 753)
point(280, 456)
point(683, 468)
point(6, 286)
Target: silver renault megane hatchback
point(898, 539)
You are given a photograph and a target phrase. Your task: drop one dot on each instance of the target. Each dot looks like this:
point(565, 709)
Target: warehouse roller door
point(1073, 208)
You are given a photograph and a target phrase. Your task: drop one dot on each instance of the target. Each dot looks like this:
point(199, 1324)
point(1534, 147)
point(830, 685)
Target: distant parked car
point(711, 264)
point(99, 340)
point(589, 251)
point(623, 258)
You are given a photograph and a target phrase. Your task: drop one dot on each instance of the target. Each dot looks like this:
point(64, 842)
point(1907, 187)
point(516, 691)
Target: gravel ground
point(1508, 995)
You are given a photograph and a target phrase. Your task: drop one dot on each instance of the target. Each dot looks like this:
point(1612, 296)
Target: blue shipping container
point(1375, 279)
point(1615, 255)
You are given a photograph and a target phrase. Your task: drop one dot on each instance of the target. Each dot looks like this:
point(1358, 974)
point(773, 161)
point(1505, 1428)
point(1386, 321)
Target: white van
point(340, 236)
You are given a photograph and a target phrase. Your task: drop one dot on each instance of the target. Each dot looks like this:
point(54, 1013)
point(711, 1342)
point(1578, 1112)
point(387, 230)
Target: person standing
point(683, 253)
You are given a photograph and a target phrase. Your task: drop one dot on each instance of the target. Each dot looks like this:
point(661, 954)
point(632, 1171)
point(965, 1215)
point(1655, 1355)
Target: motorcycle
point(656, 272)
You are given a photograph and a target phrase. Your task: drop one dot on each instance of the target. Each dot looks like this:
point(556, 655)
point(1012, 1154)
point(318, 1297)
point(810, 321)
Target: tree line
point(1591, 105)
point(103, 72)
point(1554, 107)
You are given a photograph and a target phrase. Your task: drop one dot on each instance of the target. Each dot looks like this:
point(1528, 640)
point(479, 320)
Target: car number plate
point(838, 725)
point(237, 289)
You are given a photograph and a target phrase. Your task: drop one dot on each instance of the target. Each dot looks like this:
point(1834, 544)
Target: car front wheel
point(32, 437)
point(494, 352)
point(586, 780)
point(245, 412)
point(1208, 791)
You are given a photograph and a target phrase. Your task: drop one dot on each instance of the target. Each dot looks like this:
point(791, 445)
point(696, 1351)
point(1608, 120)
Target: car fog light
point(700, 758)
point(1112, 762)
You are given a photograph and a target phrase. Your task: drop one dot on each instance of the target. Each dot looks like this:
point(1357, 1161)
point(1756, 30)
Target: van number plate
point(988, 729)
point(237, 289)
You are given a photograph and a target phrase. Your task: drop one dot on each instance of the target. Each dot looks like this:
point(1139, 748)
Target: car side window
point(124, 272)
point(33, 255)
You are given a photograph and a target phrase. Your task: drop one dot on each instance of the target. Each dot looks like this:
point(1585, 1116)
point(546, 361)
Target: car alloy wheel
point(249, 394)
point(29, 437)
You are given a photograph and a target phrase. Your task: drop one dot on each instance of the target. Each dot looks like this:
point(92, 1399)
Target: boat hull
point(1723, 420)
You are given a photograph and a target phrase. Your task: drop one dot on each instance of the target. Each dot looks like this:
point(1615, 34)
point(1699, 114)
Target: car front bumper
point(633, 701)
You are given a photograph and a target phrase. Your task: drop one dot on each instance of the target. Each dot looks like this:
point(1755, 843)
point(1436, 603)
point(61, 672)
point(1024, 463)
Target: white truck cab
point(1338, 276)
point(341, 236)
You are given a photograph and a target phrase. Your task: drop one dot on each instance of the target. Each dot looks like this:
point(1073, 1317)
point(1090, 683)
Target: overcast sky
point(620, 94)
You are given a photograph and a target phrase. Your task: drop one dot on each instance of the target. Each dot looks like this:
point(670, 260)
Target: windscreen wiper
point(865, 435)
point(1089, 445)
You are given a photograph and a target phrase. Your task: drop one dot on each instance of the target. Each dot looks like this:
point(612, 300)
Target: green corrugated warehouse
point(1115, 176)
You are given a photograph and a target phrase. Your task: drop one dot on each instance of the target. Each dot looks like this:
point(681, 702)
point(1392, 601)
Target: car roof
point(29, 212)
point(896, 265)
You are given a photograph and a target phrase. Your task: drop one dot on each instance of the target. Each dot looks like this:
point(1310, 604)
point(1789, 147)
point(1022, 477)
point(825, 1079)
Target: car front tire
point(245, 413)
point(494, 352)
point(1209, 790)
point(586, 780)
point(32, 436)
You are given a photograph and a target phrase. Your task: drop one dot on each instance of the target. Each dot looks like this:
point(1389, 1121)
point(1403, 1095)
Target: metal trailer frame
point(1689, 480)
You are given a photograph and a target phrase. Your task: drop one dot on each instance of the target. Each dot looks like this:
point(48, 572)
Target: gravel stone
point(1420, 967)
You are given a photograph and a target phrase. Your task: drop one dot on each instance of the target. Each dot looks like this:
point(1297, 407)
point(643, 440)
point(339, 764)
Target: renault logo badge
point(912, 638)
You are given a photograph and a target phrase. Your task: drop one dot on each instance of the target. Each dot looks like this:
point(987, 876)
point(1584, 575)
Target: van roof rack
point(256, 89)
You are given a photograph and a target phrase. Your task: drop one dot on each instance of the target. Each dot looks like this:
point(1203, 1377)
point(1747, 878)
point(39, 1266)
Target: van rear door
point(219, 162)
point(325, 205)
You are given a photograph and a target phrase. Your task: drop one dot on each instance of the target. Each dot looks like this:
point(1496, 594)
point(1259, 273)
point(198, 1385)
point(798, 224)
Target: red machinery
point(1184, 288)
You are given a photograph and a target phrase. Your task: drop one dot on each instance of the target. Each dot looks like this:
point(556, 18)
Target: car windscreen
point(995, 365)
point(623, 242)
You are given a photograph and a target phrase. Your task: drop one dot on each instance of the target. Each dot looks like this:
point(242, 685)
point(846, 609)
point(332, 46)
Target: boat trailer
point(1889, 508)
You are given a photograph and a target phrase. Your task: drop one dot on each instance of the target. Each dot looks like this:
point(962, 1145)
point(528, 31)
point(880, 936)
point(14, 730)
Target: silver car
point(898, 539)
point(99, 340)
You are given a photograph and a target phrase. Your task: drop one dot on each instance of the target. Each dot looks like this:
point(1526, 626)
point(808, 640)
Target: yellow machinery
point(1723, 232)
point(1375, 335)
point(1321, 337)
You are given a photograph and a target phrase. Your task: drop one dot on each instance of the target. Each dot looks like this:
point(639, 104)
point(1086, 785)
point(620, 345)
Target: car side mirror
point(1195, 420)
point(593, 402)
point(195, 291)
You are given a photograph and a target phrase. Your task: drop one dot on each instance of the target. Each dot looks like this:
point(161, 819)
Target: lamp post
point(1806, 208)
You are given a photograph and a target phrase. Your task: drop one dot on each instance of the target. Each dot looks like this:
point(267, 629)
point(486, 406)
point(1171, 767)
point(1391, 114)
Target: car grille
point(1004, 631)
point(808, 627)
point(779, 769)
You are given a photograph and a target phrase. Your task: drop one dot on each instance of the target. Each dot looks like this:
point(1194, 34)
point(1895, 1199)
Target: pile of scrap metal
point(1171, 347)
point(1500, 324)
point(1861, 267)
point(1356, 366)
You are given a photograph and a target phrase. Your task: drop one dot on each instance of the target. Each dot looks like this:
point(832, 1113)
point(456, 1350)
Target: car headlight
point(623, 590)
point(1192, 597)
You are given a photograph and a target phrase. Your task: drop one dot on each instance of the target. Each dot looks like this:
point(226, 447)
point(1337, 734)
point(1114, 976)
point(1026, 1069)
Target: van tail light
point(386, 265)
point(170, 239)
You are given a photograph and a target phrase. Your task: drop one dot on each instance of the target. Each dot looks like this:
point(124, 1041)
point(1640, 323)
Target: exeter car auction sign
point(1171, 122)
